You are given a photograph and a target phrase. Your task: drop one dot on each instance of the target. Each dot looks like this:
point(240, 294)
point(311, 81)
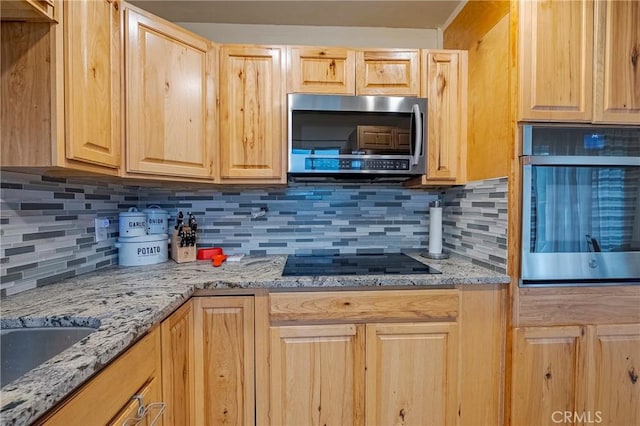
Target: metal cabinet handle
point(143, 411)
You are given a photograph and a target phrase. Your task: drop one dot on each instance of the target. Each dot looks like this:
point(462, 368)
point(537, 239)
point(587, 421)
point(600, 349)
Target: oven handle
point(579, 160)
point(417, 148)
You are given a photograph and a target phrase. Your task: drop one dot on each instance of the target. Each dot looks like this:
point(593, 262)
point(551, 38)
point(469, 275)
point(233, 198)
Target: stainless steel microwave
point(356, 135)
point(581, 205)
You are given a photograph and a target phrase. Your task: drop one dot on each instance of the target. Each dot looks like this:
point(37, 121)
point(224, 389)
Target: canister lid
point(155, 210)
point(436, 203)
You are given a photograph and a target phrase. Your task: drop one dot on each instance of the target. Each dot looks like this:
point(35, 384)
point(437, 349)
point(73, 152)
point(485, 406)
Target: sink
point(23, 349)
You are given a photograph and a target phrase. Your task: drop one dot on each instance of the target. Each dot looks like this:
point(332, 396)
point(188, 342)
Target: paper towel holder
point(435, 256)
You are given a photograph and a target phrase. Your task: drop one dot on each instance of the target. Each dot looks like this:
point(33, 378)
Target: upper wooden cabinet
point(388, 72)
point(617, 86)
point(342, 71)
point(321, 70)
point(61, 88)
point(170, 100)
point(578, 61)
point(252, 114)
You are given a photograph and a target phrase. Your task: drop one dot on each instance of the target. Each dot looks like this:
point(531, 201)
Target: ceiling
point(350, 13)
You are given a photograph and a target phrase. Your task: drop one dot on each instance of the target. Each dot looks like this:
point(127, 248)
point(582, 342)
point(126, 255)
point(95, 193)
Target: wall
point(47, 223)
point(317, 35)
point(48, 227)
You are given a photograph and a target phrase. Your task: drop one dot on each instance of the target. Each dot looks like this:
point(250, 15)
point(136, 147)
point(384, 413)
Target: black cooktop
point(355, 264)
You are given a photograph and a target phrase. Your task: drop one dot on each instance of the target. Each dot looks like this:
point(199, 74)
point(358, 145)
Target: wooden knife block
point(181, 254)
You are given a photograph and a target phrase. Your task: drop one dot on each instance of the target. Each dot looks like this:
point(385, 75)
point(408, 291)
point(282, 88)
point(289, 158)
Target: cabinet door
point(388, 72)
point(617, 96)
point(616, 367)
point(317, 375)
point(548, 374)
point(556, 60)
point(329, 70)
point(178, 366)
point(92, 81)
point(444, 79)
point(376, 137)
point(150, 399)
point(252, 108)
point(170, 100)
point(224, 360)
point(411, 374)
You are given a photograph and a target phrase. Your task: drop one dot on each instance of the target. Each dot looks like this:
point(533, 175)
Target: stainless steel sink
point(23, 349)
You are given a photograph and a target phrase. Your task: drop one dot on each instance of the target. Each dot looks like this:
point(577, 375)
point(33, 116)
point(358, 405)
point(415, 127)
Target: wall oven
point(357, 135)
point(581, 205)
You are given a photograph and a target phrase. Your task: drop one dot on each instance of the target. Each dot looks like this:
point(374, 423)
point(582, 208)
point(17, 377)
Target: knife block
point(181, 254)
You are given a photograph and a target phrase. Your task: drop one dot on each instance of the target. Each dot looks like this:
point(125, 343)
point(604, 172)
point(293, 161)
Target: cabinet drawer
point(430, 305)
point(104, 396)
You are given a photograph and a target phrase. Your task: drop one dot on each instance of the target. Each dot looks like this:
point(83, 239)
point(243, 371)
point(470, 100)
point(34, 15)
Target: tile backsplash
point(47, 231)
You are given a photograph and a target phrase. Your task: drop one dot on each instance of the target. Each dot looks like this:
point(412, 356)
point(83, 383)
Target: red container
point(208, 253)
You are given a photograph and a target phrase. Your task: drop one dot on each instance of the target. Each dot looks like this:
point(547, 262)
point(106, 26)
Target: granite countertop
point(127, 302)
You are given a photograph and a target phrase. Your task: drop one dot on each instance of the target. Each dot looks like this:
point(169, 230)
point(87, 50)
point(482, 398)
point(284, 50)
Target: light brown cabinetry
point(388, 72)
point(588, 371)
point(578, 61)
point(107, 398)
point(411, 374)
point(224, 360)
point(327, 70)
point(317, 374)
point(252, 114)
point(170, 99)
point(178, 366)
point(61, 88)
point(27, 10)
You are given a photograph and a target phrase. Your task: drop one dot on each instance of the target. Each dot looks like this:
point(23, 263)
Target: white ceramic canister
point(157, 220)
point(143, 250)
point(132, 223)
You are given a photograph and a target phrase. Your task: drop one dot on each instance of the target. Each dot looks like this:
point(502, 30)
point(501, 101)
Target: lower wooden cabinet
point(107, 398)
point(588, 373)
point(224, 360)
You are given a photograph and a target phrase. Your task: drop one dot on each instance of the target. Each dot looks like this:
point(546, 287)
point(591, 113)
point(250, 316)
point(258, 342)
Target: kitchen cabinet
point(107, 398)
point(317, 374)
point(578, 61)
point(617, 85)
point(170, 99)
point(390, 72)
point(224, 360)
point(411, 374)
point(588, 370)
point(344, 71)
point(178, 365)
point(61, 88)
point(253, 139)
point(386, 357)
point(27, 10)
point(444, 83)
point(327, 70)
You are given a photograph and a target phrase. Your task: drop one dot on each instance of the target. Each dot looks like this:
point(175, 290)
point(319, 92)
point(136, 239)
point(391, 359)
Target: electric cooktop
point(355, 264)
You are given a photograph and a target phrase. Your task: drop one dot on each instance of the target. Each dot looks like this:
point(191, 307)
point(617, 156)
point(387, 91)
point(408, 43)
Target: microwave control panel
point(355, 164)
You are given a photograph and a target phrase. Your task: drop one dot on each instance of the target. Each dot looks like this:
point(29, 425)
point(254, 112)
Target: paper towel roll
point(435, 230)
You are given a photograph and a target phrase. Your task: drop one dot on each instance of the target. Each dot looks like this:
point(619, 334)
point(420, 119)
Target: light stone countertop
point(129, 301)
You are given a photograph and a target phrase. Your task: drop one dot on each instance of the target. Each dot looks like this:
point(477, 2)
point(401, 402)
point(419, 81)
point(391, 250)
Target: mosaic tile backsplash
point(48, 229)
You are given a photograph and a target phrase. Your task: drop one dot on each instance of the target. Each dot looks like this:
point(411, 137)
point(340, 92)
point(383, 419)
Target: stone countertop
point(127, 302)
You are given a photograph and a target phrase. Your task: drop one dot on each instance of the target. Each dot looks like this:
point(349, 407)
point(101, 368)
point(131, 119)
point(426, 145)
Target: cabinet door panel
point(177, 366)
point(548, 374)
point(618, 68)
point(170, 100)
point(151, 394)
point(616, 366)
point(253, 142)
point(556, 58)
point(411, 374)
point(388, 72)
point(92, 81)
point(321, 70)
point(317, 375)
point(224, 366)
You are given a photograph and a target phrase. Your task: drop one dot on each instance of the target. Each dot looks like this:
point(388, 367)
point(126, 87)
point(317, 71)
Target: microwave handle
point(417, 149)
